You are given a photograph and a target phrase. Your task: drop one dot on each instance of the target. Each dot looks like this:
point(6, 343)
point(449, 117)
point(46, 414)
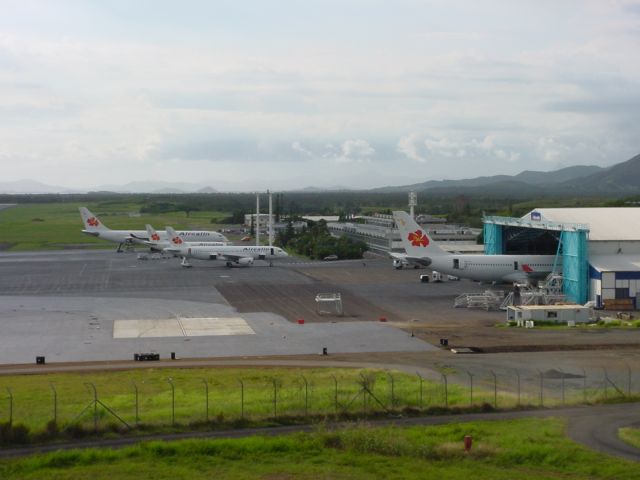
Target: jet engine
point(245, 261)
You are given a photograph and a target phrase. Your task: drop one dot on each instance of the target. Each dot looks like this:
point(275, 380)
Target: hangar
point(597, 249)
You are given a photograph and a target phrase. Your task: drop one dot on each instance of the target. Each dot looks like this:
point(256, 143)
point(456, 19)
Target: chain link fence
point(188, 401)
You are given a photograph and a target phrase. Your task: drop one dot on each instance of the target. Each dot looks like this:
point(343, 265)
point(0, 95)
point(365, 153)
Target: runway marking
point(181, 327)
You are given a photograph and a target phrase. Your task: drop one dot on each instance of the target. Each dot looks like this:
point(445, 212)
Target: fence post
point(275, 398)
point(365, 387)
point(562, 379)
point(173, 401)
point(495, 389)
point(541, 388)
point(241, 399)
point(55, 403)
point(446, 390)
point(335, 393)
point(420, 379)
point(518, 377)
point(606, 379)
point(10, 406)
point(306, 395)
point(470, 388)
point(392, 385)
point(206, 399)
point(95, 405)
point(135, 392)
point(628, 381)
point(584, 385)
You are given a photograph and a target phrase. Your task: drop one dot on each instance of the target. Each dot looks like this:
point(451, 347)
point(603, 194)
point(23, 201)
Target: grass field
point(67, 397)
point(58, 225)
point(631, 436)
point(522, 449)
point(228, 399)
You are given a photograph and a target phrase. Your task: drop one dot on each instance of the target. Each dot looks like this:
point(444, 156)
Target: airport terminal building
point(380, 234)
point(597, 249)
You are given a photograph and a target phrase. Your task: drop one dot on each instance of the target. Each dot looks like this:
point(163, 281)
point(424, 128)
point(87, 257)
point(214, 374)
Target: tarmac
point(64, 305)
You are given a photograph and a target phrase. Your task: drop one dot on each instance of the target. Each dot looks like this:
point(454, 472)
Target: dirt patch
point(295, 302)
point(553, 348)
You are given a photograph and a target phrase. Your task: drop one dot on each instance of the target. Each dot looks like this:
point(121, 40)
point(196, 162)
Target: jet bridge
point(508, 235)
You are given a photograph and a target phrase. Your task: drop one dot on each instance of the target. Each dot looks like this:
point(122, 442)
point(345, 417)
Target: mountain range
point(580, 180)
point(619, 179)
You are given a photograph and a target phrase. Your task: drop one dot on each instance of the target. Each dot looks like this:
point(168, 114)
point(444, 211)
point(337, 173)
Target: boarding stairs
point(487, 300)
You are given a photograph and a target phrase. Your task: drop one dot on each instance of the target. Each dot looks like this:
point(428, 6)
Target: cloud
point(297, 146)
point(409, 146)
point(357, 150)
point(86, 85)
point(421, 148)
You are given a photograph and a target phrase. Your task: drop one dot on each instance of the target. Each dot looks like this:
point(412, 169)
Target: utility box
point(548, 313)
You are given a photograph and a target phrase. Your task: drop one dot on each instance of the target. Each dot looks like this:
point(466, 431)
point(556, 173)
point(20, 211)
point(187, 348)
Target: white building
point(613, 246)
point(264, 220)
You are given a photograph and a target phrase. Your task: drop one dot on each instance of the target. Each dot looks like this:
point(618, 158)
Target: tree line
point(316, 242)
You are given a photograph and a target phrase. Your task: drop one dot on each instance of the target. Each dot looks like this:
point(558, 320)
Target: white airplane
point(231, 254)
point(421, 249)
point(156, 243)
point(94, 227)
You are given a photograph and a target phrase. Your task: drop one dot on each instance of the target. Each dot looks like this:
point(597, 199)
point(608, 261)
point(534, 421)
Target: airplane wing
point(239, 259)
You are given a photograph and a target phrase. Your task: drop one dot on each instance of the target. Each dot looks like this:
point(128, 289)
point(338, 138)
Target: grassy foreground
point(630, 435)
point(51, 226)
point(252, 393)
point(522, 449)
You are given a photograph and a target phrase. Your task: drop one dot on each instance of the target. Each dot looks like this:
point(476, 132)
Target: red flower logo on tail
point(177, 240)
point(93, 221)
point(155, 237)
point(418, 239)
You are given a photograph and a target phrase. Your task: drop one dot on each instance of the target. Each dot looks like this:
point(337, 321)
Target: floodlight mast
point(413, 202)
point(257, 222)
point(270, 218)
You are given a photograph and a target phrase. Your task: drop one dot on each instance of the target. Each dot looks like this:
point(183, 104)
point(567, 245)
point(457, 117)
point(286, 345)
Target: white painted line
point(181, 327)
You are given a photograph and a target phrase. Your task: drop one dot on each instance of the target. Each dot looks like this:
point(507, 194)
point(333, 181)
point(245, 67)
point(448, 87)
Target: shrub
point(11, 434)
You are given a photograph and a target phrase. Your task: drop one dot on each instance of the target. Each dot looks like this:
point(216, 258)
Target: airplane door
point(515, 265)
point(456, 263)
point(272, 252)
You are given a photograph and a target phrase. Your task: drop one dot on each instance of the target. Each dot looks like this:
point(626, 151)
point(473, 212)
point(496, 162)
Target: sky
point(243, 95)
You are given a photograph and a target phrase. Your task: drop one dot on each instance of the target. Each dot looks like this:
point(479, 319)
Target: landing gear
point(185, 263)
point(128, 247)
point(271, 263)
point(229, 264)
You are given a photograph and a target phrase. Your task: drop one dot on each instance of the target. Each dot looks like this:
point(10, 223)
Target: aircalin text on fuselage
point(231, 254)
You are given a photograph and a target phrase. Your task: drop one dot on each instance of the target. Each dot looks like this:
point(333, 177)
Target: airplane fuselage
point(221, 253)
point(141, 236)
point(487, 268)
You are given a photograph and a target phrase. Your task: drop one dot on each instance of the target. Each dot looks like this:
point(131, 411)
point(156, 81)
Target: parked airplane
point(421, 249)
point(158, 244)
point(94, 227)
point(231, 254)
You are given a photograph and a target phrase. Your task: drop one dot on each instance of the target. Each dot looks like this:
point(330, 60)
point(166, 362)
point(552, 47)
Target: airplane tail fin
point(175, 240)
point(154, 238)
point(91, 222)
point(414, 239)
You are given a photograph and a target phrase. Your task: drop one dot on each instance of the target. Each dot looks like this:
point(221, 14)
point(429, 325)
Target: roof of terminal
point(615, 263)
point(604, 223)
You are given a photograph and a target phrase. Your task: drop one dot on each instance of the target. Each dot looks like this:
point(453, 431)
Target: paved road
point(594, 426)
